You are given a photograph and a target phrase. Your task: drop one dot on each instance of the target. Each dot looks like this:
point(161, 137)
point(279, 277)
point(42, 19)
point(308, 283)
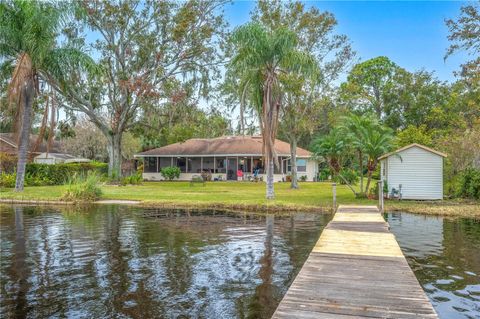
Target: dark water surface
point(119, 261)
point(445, 256)
point(112, 261)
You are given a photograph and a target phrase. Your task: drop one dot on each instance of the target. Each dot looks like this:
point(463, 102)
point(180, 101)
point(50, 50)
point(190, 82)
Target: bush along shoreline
point(83, 188)
point(57, 174)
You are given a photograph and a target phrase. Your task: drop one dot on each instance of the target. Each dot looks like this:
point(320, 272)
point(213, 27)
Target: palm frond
point(67, 62)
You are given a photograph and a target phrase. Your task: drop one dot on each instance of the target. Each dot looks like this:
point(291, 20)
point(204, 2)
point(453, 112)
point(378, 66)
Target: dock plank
point(356, 270)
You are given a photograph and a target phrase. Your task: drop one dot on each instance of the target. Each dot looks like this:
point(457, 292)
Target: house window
point(194, 164)
point(208, 164)
point(258, 165)
point(221, 165)
point(165, 162)
point(150, 165)
point(181, 162)
point(301, 165)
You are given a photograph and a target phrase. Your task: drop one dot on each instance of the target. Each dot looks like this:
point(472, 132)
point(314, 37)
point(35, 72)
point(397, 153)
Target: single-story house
point(57, 158)
point(8, 145)
point(223, 157)
point(414, 170)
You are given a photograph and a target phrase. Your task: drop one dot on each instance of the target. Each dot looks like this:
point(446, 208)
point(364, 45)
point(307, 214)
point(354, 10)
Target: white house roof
point(55, 155)
point(77, 160)
point(68, 158)
point(428, 149)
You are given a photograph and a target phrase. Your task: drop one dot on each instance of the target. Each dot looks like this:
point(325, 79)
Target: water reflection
point(445, 256)
point(116, 261)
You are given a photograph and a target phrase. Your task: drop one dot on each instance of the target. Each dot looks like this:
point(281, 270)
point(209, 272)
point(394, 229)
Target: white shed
point(416, 170)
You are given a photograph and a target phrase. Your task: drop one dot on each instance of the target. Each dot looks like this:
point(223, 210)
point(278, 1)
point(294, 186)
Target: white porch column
point(214, 164)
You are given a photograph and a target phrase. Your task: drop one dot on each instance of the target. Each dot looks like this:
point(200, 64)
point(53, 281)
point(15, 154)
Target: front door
point(232, 169)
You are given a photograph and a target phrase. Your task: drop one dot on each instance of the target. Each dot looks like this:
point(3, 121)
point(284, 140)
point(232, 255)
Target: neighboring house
point(8, 145)
point(223, 157)
point(416, 169)
point(57, 158)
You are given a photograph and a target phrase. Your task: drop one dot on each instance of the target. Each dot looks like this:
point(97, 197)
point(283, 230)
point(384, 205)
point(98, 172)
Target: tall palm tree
point(261, 58)
point(28, 48)
point(377, 140)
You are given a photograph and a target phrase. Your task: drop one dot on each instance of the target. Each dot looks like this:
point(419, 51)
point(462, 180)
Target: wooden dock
point(356, 270)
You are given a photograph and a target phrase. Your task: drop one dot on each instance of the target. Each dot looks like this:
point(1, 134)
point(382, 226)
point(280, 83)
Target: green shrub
point(140, 169)
point(37, 180)
point(170, 172)
point(7, 180)
point(376, 173)
point(451, 186)
point(348, 175)
point(58, 174)
point(374, 190)
point(323, 174)
point(135, 179)
point(303, 178)
point(470, 183)
point(8, 163)
point(83, 188)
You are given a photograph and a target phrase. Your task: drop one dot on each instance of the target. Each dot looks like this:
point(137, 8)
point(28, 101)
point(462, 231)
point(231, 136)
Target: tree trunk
point(242, 119)
point(371, 166)
point(114, 155)
point(369, 178)
point(293, 163)
point(360, 161)
point(378, 103)
point(348, 184)
point(28, 91)
point(270, 170)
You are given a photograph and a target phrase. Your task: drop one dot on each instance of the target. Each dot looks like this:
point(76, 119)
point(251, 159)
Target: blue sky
point(411, 33)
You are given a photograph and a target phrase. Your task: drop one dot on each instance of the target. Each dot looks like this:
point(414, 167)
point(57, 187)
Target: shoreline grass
point(243, 196)
point(445, 208)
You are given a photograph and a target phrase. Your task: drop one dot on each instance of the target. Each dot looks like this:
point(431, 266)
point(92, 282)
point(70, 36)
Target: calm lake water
point(112, 261)
point(445, 256)
point(118, 261)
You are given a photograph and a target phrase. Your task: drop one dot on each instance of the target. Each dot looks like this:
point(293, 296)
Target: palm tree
point(261, 58)
point(353, 125)
point(28, 48)
point(334, 148)
point(377, 140)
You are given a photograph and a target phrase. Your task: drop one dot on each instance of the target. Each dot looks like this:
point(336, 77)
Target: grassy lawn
point(311, 196)
point(247, 196)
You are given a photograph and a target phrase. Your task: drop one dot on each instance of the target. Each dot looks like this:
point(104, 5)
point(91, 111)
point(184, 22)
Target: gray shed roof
point(410, 146)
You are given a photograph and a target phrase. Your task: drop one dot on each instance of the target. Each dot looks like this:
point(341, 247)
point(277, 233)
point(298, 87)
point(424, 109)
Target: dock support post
point(334, 191)
point(380, 196)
